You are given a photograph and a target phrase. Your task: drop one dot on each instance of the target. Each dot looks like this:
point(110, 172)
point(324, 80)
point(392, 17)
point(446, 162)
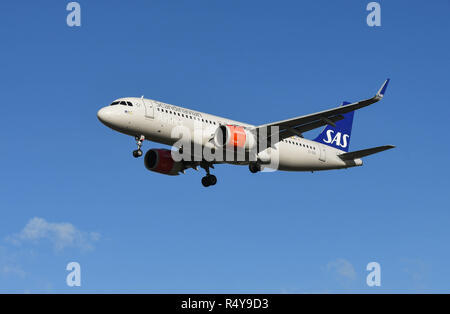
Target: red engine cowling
point(160, 160)
point(232, 136)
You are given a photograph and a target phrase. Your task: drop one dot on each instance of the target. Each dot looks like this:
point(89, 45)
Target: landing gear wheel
point(212, 179)
point(209, 180)
point(137, 153)
point(205, 182)
point(254, 167)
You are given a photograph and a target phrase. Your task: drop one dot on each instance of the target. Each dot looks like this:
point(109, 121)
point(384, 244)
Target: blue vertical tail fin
point(338, 136)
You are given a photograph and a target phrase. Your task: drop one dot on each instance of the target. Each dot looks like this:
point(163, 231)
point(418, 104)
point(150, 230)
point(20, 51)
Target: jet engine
point(234, 137)
point(160, 160)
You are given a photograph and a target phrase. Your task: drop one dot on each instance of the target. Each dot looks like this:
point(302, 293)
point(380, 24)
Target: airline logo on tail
point(337, 138)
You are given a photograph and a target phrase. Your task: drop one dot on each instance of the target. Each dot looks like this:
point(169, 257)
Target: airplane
point(277, 145)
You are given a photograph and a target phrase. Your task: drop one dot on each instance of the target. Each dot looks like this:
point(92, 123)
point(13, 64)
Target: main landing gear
point(138, 152)
point(254, 167)
point(209, 179)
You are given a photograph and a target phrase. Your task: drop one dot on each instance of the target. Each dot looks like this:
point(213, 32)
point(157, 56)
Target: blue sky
point(71, 191)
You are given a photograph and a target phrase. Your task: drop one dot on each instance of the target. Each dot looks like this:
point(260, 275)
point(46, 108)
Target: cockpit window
point(123, 103)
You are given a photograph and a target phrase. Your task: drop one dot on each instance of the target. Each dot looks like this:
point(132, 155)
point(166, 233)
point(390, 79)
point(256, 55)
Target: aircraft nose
point(104, 115)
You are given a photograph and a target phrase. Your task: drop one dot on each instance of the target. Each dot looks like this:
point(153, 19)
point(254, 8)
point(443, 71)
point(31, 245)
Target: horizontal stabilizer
point(364, 152)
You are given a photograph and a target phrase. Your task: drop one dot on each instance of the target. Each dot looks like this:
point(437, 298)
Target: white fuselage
point(157, 122)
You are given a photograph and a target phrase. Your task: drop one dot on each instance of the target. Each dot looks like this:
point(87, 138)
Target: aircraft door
point(323, 153)
point(149, 108)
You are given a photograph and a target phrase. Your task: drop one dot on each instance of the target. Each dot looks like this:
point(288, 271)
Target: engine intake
point(232, 136)
point(161, 161)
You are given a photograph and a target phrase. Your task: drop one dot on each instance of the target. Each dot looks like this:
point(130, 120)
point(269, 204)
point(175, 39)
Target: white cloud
point(8, 265)
point(12, 270)
point(61, 235)
point(342, 268)
point(418, 271)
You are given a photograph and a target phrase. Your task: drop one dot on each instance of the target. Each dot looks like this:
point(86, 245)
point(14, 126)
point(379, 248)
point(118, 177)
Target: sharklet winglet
point(382, 90)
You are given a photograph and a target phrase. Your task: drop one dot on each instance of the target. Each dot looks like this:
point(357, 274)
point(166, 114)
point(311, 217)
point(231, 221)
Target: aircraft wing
point(298, 125)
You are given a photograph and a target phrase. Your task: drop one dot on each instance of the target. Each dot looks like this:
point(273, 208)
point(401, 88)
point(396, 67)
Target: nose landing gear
point(138, 152)
point(209, 179)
